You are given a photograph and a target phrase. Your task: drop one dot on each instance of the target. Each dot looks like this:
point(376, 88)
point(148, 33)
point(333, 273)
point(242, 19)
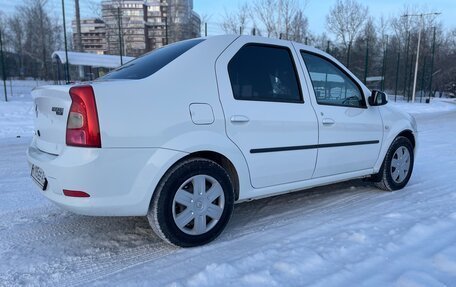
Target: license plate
point(39, 177)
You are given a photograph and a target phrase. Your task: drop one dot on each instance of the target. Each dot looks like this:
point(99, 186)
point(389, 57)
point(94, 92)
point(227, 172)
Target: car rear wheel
point(192, 204)
point(397, 166)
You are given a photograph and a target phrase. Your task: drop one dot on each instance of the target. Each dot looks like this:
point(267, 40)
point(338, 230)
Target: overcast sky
point(315, 10)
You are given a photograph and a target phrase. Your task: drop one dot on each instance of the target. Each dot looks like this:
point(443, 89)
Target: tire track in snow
point(84, 265)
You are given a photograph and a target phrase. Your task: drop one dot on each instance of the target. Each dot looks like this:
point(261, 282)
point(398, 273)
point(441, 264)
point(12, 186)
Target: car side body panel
point(181, 110)
point(266, 122)
point(184, 84)
point(358, 131)
point(395, 122)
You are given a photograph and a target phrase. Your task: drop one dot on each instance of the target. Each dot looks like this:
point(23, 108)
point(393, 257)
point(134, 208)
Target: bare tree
point(298, 30)
point(402, 26)
point(345, 20)
point(236, 22)
point(94, 7)
point(383, 27)
point(290, 14)
point(3, 28)
point(17, 37)
point(230, 23)
point(278, 18)
point(32, 33)
point(265, 12)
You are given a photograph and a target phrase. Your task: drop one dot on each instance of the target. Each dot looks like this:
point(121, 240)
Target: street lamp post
point(67, 68)
point(119, 22)
point(418, 47)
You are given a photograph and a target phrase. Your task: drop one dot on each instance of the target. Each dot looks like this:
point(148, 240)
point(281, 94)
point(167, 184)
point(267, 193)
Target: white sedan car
point(184, 132)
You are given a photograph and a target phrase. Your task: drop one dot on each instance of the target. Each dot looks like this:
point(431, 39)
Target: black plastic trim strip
point(301, 147)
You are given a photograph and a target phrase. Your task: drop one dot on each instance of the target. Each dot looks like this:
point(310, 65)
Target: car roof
point(255, 39)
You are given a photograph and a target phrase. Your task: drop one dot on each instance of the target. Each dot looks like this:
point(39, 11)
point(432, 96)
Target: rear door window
point(264, 73)
point(151, 62)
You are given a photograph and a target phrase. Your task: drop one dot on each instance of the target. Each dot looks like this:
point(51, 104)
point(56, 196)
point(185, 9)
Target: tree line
point(30, 34)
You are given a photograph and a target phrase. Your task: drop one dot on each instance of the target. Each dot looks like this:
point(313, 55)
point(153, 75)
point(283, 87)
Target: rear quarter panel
point(154, 112)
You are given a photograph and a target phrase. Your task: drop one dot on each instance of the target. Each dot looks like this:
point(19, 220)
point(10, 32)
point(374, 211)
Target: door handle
point(328, 121)
point(239, 119)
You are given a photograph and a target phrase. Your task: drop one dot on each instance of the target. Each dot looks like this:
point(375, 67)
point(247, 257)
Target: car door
point(268, 116)
point(350, 132)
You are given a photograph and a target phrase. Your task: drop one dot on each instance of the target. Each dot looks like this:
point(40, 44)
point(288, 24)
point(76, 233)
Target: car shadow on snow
point(119, 233)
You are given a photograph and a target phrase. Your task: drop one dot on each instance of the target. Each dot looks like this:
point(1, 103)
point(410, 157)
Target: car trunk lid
point(52, 104)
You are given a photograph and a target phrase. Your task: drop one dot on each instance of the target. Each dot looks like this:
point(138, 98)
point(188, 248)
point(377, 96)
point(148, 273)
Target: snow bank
point(437, 105)
point(16, 115)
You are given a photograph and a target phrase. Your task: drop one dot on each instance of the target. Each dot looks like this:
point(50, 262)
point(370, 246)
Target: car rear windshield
point(151, 62)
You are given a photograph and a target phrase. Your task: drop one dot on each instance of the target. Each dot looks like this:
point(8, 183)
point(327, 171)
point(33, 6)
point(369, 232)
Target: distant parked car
point(184, 132)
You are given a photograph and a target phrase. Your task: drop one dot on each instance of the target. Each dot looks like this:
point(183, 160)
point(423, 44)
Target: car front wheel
point(397, 166)
point(192, 204)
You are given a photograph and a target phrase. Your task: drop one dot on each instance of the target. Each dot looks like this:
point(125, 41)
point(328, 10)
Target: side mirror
point(378, 98)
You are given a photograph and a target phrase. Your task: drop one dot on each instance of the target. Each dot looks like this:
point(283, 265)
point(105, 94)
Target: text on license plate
point(39, 176)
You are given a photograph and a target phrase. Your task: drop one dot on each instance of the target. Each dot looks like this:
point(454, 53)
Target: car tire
point(397, 166)
point(192, 203)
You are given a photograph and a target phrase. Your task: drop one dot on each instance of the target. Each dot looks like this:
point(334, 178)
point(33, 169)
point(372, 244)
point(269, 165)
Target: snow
point(16, 115)
point(347, 234)
point(89, 59)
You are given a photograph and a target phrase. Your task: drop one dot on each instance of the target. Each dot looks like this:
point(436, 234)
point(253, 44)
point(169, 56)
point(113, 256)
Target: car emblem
point(58, 111)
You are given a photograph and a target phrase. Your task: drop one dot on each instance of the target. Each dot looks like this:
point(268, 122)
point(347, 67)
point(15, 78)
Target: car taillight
point(83, 129)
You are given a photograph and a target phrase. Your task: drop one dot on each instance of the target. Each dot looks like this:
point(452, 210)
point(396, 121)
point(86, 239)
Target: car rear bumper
point(120, 181)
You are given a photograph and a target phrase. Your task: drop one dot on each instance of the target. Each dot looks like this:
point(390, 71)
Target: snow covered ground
point(16, 115)
point(349, 234)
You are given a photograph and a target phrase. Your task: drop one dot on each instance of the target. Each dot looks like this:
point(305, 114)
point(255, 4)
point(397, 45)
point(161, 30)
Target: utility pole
point(67, 69)
point(422, 79)
point(409, 78)
point(78, 27)
point(280, 19)
point(166, 29)
point(366, 60)
point(3, 65)
point(205, 29)
point(385, 53)
point(432, 65)
point(397, 75)
point(418, 47)
point(78, 36)
point(406, 65)
point(120, 34)
point(417, 59)
point(146, 27)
